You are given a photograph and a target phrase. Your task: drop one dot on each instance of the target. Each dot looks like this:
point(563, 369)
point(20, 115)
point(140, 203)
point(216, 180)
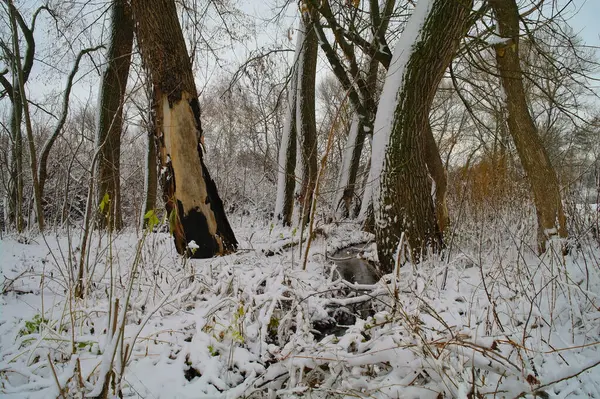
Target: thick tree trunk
point(533, 155)
point(195, 209)
point(404, 204)
point(110, 122)
point(306, 126)
point(435, 167)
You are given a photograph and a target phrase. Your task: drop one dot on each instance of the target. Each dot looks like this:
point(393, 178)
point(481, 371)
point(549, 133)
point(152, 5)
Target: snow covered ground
point(494, 320)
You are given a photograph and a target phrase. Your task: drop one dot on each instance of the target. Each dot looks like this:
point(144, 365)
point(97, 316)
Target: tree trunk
point(403, 202)
point(110, 122)
point(306, 126)
point(286, 178)
point(354, 146)
point(21, 75)
point(434, 163)
point(349, 169)
point(151, 182)
point(15, 194)
point(436, 169)
point(195, 209)
point(533, 155)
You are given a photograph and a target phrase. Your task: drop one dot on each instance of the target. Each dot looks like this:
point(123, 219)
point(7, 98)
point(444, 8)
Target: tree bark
point(436, 169)
point(195, 209)
point(534, 157)
point(15, 195)
point(404, 203)
point(151, 182)
point(286, 177)
point(16, 183)
point(306, 126)
point(110, 122)
point(347, 185)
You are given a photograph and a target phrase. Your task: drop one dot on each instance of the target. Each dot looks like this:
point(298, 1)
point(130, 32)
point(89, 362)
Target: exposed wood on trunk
point(195, 209)
point(110, 122)
point(534, 157)
point(405, 204)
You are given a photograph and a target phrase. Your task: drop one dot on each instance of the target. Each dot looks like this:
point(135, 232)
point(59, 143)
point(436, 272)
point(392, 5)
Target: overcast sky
point(585, 20)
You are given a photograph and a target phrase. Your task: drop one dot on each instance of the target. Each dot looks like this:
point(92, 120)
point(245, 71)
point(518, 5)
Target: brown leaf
point(532, 380)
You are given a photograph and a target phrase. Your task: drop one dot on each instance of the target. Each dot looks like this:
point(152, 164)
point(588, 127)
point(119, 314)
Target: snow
point(247, 323)
point(388, 101)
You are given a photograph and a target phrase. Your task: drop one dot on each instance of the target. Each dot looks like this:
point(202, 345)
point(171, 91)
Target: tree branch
point(42, 169)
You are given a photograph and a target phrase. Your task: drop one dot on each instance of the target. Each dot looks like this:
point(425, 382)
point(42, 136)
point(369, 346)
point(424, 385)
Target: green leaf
point(172, 220)
point(151, 219)
point(105, 201)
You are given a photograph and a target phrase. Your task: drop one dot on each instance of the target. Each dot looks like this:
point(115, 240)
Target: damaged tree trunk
point(533, 155)
point(110, 122)
point(193, 204)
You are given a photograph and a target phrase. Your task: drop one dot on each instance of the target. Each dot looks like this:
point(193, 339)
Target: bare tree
point(533, 155)
point(20, 74)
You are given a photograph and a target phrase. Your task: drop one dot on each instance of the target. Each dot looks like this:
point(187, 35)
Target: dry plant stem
point(320, 174)
point(118, 327)
point(86, 229)
point(60, 391)
point(79, 376)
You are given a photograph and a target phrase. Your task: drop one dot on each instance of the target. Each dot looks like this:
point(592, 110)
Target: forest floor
point(490, 319)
